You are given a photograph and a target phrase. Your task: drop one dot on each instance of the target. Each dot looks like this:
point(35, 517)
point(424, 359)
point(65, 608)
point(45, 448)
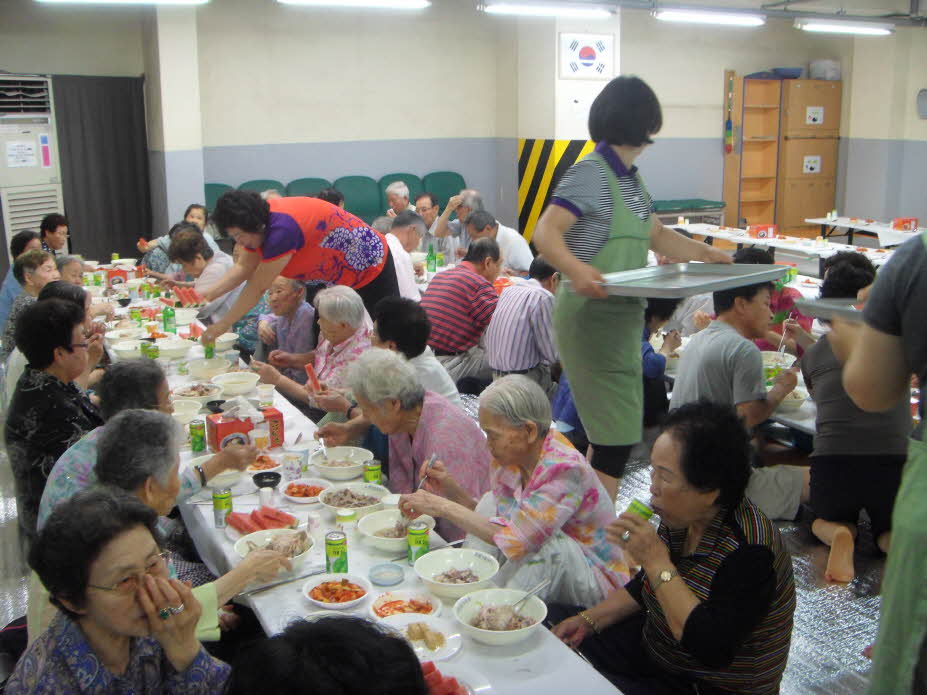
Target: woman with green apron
point(890, 346)
point(600, 220)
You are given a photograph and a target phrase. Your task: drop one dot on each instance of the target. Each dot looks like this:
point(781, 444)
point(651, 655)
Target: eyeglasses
point(157, 565)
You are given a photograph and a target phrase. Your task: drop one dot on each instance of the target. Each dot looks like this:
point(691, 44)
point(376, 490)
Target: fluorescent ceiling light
point(362, 4)
point(125, 2)
point(837, 26)
point(731, 19)
point(536, 10)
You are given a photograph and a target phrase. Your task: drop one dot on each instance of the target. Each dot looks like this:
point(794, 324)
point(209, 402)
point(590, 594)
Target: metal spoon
point(542, 584)
point(324, 450)
point(431, 462)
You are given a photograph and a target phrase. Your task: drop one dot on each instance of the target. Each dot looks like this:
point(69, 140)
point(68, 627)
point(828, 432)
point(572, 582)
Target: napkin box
point(905, 224)
point(221, 431)
point(763, 231)
point(116, 277)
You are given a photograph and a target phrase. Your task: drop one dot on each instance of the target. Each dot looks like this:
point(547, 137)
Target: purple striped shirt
point(521, 333)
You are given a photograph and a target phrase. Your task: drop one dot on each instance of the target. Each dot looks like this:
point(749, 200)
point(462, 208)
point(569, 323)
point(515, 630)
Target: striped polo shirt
point(738, 637)
point(521, 333)
point(584, 191)
point(459, 304)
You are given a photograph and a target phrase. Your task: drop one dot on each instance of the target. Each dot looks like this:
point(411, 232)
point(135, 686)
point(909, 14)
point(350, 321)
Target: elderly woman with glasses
point(420, 425)
point(124, 625)
point(345, 335)
point(546, 514)
point(711, 609)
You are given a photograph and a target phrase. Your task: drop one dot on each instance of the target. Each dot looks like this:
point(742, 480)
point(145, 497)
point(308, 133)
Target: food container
point(763, 231)
point(905, 224)
point(128, 349)
point(387, 574)
point(370, 489)
point(259, 538)
point(468, 607)
point(207, 369)
point(219, 428)
point(302, 450)
point(385, 518)
point(315, 482)
point(404, 595)
point(226, 341)
point(236, 383)
point(173, 348)
point(213, 392)
point(184, 317)
point(355, 454)
point(434, 563)
point(322, 578)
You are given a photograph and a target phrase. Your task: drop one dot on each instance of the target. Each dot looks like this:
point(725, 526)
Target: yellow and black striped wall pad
point(541, 163)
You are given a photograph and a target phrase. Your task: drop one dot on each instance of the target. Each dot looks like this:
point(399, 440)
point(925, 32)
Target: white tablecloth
point(542, 664)
point(887, 236)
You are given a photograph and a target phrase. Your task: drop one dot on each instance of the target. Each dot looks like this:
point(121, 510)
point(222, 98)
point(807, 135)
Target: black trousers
point(618, 653)
point(383, 285)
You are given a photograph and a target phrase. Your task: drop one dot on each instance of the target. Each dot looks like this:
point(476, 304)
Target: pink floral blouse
point(332, 361)
point(445, 430)
point(563, 493)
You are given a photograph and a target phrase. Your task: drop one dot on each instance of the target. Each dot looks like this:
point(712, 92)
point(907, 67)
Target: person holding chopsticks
point(601, 220)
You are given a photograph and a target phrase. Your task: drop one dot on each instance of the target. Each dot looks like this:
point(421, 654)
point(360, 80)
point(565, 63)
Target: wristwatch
point(662, 578)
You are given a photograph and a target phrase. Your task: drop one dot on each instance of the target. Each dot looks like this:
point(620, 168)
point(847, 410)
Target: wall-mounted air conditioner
point(30, 176)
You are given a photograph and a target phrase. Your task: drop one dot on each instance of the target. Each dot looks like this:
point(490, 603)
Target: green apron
point(903, 618)
point(600, 339)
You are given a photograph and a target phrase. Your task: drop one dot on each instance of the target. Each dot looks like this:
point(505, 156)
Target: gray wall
point(883, 178)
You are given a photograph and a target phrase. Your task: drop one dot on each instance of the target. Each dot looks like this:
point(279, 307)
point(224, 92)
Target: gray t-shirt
point(721, 366)
point(842, 429)
point(896, 303)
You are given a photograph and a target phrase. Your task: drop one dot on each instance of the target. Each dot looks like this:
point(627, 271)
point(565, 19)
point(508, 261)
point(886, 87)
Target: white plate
point(305, 481)
point(405, 595)
point(321, 578)
point(251, 471)
point(453, 640)
point(474, 683)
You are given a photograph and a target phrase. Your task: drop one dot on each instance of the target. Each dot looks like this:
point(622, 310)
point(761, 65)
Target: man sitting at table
point(397, 197)
point(207, 267)
point(454, 232)
point(516, 254)
point(460, 303)
point(722, 364)
point(426, 205)
point(288, 333)
point(520, 336)
point(404, 236)
point(547, 511)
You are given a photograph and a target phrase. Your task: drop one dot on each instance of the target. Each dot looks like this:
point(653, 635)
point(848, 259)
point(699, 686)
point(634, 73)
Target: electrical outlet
point(811, 165)
point(814, 115)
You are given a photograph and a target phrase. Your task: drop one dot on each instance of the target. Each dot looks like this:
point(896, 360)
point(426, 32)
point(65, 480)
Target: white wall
point(47, 39)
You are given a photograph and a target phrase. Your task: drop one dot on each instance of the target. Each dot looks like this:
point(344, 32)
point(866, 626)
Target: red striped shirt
point(459, 304)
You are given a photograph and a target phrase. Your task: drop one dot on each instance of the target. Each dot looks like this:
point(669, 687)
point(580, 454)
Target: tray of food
point(679, 280)
point(829, 309)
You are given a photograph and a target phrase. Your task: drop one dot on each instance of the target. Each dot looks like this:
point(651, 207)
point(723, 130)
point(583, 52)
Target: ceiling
point(898, 9)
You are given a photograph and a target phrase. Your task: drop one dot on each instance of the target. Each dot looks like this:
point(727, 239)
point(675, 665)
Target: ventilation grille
point(24, 95)
point(24, 209)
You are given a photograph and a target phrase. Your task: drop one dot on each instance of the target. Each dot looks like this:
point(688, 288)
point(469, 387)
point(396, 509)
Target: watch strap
point(658, 581)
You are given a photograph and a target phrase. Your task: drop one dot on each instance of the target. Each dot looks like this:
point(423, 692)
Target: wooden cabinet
point(811, 108)
point(800, 199)
point(808, 158)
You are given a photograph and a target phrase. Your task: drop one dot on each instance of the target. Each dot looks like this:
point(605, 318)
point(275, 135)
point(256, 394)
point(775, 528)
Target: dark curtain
point(104, 163)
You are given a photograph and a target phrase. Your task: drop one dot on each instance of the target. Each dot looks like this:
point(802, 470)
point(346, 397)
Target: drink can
point(114, 256)
point(292, 466)
point(346, 520)
point(209, 350)
point(135, 314)
point(87, 279)
point(418, 540)
point(154, 352)
point(642, 509)
point(98, 278)
point(183, 367)
point(336, 552)
point(221, 504)
point(198, 435)
point(440, 260)
point(373, 472)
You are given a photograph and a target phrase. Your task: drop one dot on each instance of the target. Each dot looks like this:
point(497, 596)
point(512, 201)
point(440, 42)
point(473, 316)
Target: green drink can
point(98, 278)
point(143, 348)
point(221, 505)
point(373, 472)
point(135, 314)
point(418, 540)
point(198, 436)
point(640, 508)
point(439, 259)
point(154, 352)
point(87, 279)
point(336, 552)
point(114, 256)
point(209, 351)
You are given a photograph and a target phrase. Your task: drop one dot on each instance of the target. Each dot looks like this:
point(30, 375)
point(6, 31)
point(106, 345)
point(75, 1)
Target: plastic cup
point(266, 496)
point(261, 439)
point(265, 395)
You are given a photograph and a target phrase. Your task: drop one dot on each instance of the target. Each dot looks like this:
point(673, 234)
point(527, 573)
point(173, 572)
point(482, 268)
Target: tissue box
point(118, 276)
point(220, 430)
point(905, 224)
point(763, 231)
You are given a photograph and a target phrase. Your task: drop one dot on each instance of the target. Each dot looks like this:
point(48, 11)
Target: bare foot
point(840, 560)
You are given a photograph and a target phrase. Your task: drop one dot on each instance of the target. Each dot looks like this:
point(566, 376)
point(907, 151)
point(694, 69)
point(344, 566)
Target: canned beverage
point(154, 352)
point(418, 540)
point(209, 351)
point(642, 509)
point(439, 258)
point(135, 314)
point(336, 552)
point(346, 520)
point(143, 348)
point(183, 367)
point(221, 504)
point(87, 279)
point(292, 466)
point(198, 435)
point(373, 472)
point(114, 256)
point(98, 278)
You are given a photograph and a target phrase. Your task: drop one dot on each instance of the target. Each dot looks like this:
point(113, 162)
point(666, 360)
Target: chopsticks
point(313, 571)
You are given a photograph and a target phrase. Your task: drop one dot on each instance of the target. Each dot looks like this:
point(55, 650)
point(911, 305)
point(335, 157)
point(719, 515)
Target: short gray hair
point(472, 199)
point(399, 188)
point(382, 224)
point(518, 400)
point(407, 218)
point(130, 385)
point(341, 304)
point(62, 261)
point(137, 445)
point(378, 375)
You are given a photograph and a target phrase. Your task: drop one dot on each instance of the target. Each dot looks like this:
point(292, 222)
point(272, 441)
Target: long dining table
point(541, 664)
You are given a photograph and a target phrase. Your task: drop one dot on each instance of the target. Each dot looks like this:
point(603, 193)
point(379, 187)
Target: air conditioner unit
point(30, 175)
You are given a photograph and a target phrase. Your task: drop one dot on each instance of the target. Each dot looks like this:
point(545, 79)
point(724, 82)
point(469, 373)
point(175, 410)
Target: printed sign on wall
point(812, 164)
point(814, 115)
point(586, 56)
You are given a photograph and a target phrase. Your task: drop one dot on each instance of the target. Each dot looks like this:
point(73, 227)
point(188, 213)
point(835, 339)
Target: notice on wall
point(814, 115)
point(21, 153)
point(811, 164)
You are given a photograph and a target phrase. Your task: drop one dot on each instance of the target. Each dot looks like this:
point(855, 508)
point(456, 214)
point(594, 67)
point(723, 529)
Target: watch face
point(666, 575)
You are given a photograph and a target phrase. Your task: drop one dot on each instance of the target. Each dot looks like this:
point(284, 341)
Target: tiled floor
point(832, 623)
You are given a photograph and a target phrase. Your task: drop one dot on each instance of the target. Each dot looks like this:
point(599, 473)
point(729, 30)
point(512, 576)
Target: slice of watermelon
point(261, 520)
point(282, 517)
point(242, 523)
point(428, 667)
point(184, 294)
point(448, 686)
point(432, 681)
